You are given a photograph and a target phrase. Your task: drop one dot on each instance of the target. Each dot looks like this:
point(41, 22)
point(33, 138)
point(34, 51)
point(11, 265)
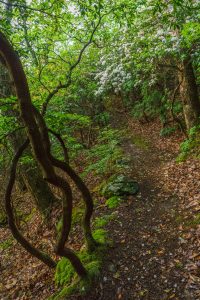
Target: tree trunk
point(38, 188)
point(189, 94)
point(29, 175)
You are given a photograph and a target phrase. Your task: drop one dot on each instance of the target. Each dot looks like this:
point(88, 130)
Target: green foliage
point(100, 235)
point(102, 118)
point(131, 41)
point(64, 272)
point(167, 131)
point(153, 103)
point(60, 120)
point(59, 225)
point(106, 157)
point(113, 201)
point(196, 220)
point(103, 221)
point(77, 215)
point(190, 147)
point(29, 216)
point(7, 124)
point(26, 160)
point(68, 281)
point(65, 276)
point(81, 286)
point(191, 33)
point(93, 268)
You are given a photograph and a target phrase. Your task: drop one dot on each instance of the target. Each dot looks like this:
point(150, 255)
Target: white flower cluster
point(113, 73)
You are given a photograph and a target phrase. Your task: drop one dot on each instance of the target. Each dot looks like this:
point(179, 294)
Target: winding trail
point(144, 262)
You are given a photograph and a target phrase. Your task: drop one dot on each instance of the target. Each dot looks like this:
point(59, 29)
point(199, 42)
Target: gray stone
point(120, 185)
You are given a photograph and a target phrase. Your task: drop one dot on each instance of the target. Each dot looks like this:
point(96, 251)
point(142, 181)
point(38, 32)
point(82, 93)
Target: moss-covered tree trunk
point(189, 94)
point(30, 176)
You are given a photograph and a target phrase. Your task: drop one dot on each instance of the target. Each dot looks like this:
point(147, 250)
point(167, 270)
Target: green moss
point(67, 281)
point(82, 286)
point(140, 142)
point(103, 221)
point(77, 215)
point(65, 291)
point(100, 235)
point(113, 202)
point(64, 272)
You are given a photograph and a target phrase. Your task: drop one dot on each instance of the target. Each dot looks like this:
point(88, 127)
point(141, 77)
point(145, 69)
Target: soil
point(149, 257)
point(149, 253)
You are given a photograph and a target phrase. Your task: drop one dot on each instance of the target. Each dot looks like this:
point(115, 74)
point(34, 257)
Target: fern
point(113, 202)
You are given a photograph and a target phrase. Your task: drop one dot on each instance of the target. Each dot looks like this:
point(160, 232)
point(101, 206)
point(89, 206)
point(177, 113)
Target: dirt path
point(145, 262)
point(150, 252)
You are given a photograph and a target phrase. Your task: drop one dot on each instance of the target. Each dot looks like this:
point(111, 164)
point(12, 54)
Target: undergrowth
point(190, 147)
point(106, 157)
point(113, 202)
point(66, 279)
point(140, 142)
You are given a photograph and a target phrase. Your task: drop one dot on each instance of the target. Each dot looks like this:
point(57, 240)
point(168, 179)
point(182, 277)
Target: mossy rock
point(120, 185)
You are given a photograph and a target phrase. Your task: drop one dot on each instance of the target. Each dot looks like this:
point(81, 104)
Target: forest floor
point(156, 246)
point(156, 253)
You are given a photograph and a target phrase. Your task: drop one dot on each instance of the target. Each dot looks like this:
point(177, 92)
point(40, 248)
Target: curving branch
point(11, 219)
point(64, 166)
point(39, 139)
point(91, 243)
point(62, 143)
point(61, 86)
point(43, 11)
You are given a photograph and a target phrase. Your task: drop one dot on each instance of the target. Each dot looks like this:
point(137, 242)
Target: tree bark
point(40, 143)
point(189, 94)
point(11, 219)
point(29, 176)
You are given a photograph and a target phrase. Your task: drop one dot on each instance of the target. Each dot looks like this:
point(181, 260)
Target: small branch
point(91, 243)
point(59, 138)
point(28, 44)
point(72, 67)
point(29, 8)
point(53, 93)
point(10, 133)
